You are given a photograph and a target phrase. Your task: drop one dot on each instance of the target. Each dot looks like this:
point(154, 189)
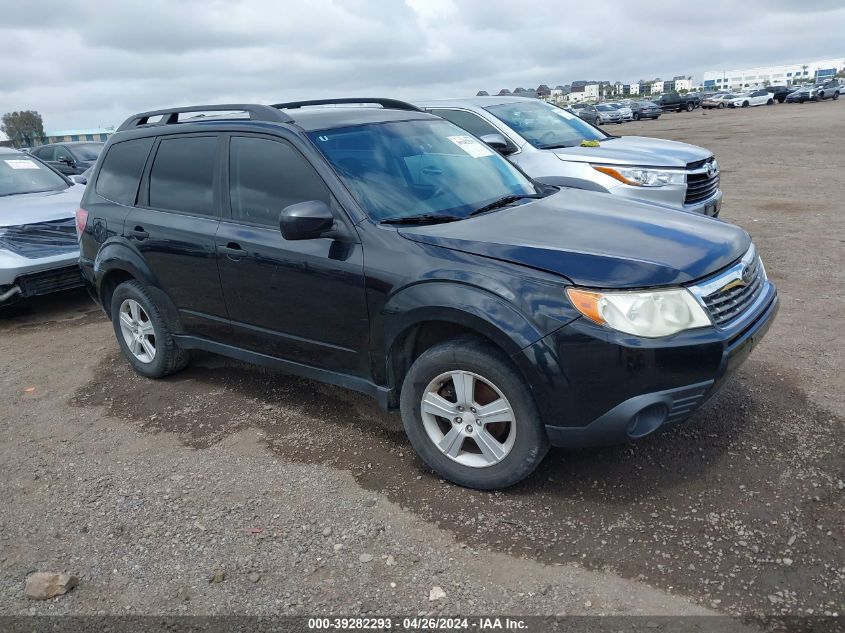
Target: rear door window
point(182, 176)
point(121, 171)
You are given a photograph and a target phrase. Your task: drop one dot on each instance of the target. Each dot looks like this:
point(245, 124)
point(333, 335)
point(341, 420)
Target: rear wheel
point(721, 106)
point(770, 102)
point(690, 106)
point(745, 104)
point(636, 116)
point(835, 95)
point(142, 333)
point(471, 417)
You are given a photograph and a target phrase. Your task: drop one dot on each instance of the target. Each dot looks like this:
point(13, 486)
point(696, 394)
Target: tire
point(690, 107)
point(636, 116)
point(835, 95)
point(745, 104)
point(521, 443)
point(133, 312)
point(770, 102)
point(721, 106)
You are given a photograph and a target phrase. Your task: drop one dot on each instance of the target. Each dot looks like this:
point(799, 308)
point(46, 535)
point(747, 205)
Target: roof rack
point(393, 104)
point(170, 116)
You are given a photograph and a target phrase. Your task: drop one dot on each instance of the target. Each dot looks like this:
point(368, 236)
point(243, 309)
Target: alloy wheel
point(137, 330)
point(468, 419)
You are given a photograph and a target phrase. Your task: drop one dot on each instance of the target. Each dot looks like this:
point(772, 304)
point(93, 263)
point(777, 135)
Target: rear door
point(300, 300)
point(174, 227)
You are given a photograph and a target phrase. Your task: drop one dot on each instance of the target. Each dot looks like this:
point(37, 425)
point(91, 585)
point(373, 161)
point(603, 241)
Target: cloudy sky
point(92, 63)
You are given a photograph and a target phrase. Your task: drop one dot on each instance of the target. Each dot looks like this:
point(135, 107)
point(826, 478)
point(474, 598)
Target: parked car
point(69, 158)
point(545, 142)
point(585, 111)
point(719, 100)
point(827, 90)
point(624, 110)
point(645, 110)
point(752, 98)
point(675, 102)
point(818, 92)
point(38, 248)
point(779, 93)
point(608, 114)
point(387, 251)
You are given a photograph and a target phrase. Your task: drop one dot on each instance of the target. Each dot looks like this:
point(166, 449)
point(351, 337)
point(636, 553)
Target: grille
point(700, 186)
point(40, 240)
point(728, 303)
point(50, 281)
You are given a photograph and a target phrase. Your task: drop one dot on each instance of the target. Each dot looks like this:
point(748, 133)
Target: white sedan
point(752, 98)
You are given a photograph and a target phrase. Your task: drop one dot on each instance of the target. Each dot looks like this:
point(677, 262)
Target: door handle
point(139, 233)
point(232, 250)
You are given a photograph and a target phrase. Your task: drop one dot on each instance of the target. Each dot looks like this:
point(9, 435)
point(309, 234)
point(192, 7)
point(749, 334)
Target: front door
point(300, 300)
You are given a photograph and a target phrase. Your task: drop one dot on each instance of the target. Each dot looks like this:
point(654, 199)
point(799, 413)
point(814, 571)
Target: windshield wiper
point(556, 145)
point(503, 202)
point(422, 218)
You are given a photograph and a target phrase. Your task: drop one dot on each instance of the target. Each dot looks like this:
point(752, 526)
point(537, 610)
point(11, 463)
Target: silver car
point(623, 109)
point(548, 144)
point(39, 251)
point(608, 114)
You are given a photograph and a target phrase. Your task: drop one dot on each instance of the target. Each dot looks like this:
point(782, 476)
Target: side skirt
point(381, 394)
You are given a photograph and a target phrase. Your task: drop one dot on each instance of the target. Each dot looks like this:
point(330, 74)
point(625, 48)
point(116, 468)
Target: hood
point(29, 208)
point(596, 240)
point(636, 150)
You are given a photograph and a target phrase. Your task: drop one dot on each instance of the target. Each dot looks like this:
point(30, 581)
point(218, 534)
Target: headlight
point(644, 176)
point(649, 314)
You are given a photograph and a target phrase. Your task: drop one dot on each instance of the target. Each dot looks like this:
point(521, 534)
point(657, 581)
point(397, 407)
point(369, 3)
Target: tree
point(24, 128)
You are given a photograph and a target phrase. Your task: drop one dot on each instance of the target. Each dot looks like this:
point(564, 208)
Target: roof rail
point(169, 116)
point(393, 104)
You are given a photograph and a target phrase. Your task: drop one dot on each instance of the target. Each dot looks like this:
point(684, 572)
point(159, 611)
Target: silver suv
point(39, 252)
point(556, 147)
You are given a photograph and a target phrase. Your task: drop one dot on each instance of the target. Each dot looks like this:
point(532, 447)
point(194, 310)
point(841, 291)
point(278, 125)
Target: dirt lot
point(312, 502)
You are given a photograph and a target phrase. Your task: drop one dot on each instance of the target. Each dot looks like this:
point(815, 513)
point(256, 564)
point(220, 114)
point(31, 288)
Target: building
point(66, 136)
point(787, 74)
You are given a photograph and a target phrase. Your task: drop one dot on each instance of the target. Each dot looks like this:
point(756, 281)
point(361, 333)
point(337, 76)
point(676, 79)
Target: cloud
point(83, 64)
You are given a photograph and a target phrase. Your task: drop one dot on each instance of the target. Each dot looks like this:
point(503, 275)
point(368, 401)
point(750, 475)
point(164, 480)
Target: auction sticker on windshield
point(21, 164)
point(471, 146)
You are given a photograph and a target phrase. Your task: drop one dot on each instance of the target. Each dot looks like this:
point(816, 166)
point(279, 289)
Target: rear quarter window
point(120, 173)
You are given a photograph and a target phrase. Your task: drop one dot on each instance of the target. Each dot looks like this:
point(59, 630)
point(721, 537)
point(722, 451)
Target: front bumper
point(38, 276)
point(595, 386)
point(669, 196)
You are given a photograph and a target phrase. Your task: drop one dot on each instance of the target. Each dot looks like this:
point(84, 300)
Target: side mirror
point(68, 160)
point(306, 220)
point(498, 143)
point(79, 179)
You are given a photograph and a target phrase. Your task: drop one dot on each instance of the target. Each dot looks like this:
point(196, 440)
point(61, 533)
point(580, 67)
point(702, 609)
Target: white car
point(752, 98)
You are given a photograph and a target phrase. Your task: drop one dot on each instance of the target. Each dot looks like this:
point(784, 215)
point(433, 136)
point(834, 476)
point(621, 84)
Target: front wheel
point(770, 102)
point(471, 417)
point(636, 116)
point(690, 107)
point(721, 106)
point(745, 104)
point(835, 95)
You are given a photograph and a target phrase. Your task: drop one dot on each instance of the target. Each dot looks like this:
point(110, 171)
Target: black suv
point(385, 250)
point(69, 158)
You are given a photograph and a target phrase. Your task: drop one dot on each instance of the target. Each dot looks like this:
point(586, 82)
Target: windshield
point(410, 168)
point(545, 125)
point(605, 108)
point(88, 151)
point(20, 173)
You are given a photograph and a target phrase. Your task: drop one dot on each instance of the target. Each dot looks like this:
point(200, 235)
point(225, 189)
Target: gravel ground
point(307, 499)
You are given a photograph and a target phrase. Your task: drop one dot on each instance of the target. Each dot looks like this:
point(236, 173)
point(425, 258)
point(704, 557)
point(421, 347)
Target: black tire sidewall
point(160, 365)
point(531, 443)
